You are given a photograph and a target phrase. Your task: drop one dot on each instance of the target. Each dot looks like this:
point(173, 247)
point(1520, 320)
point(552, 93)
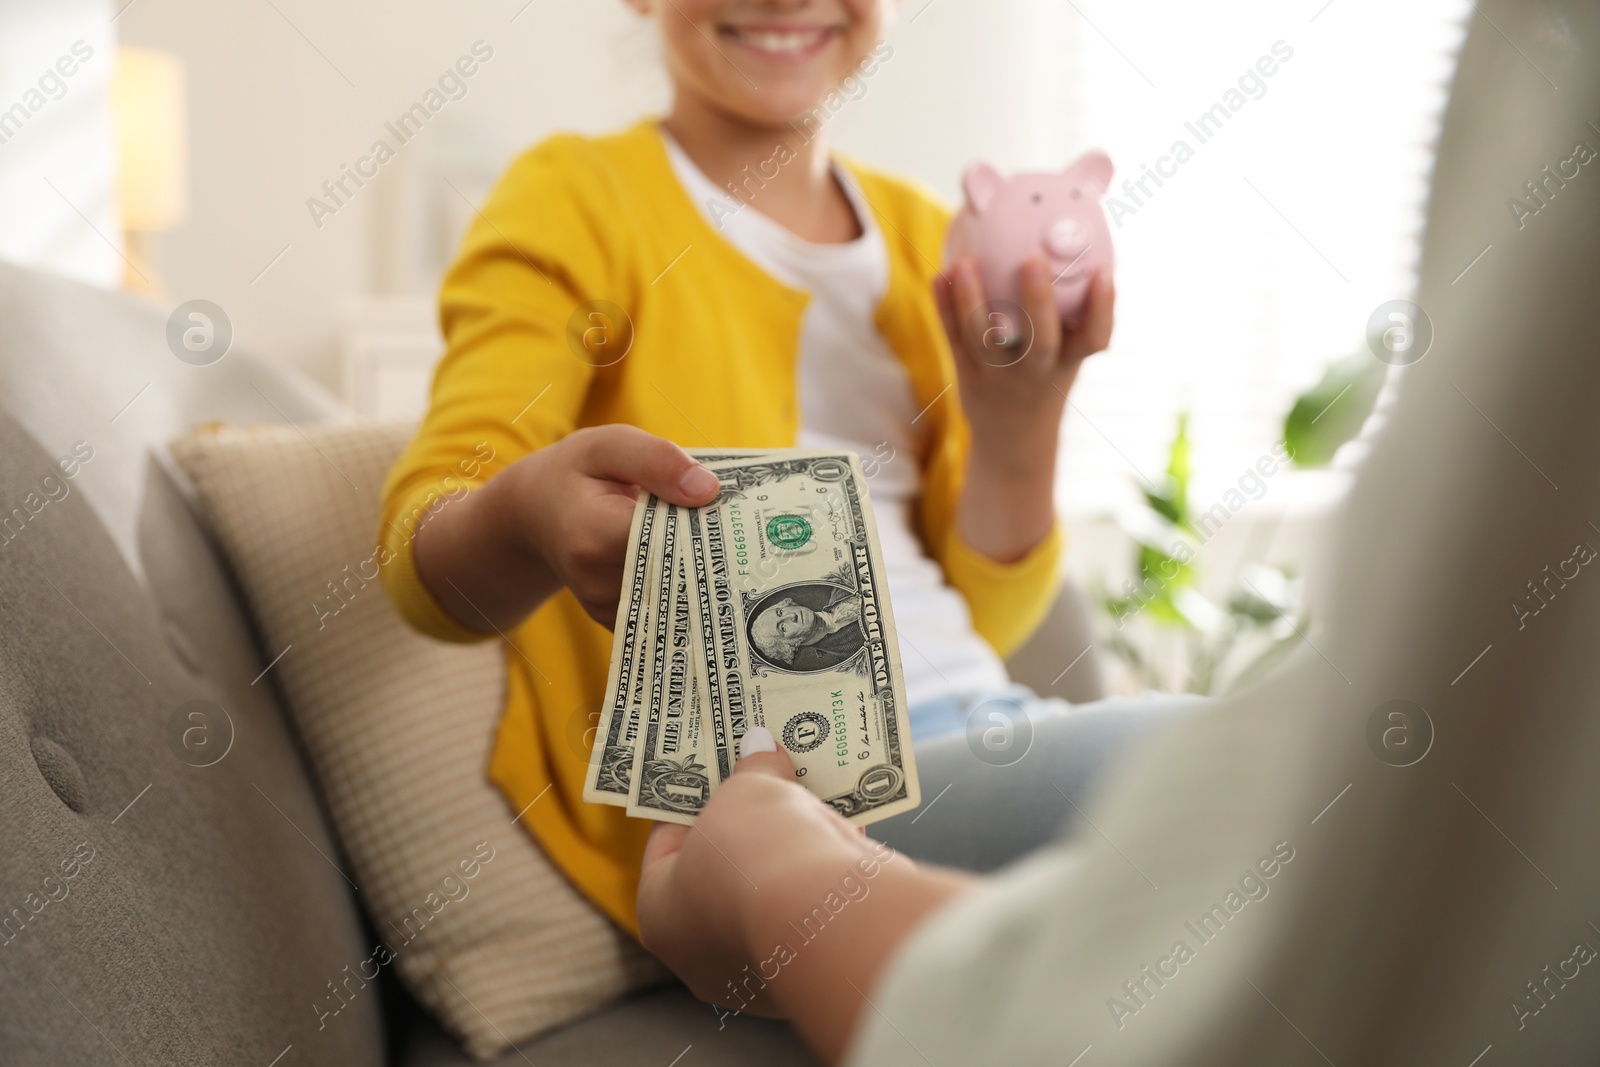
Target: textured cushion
point(153, 909)
point(398, 728)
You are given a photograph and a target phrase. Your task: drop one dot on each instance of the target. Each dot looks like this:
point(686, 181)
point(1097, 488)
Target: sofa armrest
point(1065, 639)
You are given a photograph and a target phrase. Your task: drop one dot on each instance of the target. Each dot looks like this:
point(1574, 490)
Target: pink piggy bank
point(1007, 221)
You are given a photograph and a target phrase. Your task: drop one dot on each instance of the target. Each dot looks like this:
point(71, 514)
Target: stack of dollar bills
point(768, 607)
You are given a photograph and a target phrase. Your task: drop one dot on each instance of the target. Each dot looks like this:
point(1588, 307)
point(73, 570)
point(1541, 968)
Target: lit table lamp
point(152, 149)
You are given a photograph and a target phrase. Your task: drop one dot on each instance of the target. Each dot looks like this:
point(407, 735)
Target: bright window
point(1296, 209)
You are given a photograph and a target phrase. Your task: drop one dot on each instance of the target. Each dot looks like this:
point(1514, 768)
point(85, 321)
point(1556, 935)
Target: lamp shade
point(152, 142)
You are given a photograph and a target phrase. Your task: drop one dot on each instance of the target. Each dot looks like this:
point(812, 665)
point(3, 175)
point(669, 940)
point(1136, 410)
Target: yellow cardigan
point(712, 363)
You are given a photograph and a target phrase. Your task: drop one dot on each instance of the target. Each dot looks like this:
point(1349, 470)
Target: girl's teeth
point(780, 42)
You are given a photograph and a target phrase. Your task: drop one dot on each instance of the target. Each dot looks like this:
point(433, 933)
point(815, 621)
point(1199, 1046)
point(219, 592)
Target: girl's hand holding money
point(734, 904)
point(556, 518)
point(1013, 379)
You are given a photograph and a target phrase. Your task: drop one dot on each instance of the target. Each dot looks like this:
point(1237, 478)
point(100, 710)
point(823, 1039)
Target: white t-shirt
point(855, 395)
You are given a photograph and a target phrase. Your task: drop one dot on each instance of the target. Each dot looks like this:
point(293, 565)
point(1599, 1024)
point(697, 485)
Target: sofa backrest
point(169, 890)
point(79, 363)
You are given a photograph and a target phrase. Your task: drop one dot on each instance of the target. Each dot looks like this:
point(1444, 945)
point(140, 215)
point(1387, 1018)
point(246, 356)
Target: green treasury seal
point(788, 531)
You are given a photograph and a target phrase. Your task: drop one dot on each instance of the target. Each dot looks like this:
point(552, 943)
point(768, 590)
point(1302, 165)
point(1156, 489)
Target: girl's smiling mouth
point(780, 43)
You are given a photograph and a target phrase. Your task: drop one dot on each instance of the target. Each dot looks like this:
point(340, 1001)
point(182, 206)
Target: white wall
point(56, 152)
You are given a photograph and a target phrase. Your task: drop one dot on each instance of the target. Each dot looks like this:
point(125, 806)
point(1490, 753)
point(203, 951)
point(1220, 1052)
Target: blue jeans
point(949, 714)
point(1003, 773)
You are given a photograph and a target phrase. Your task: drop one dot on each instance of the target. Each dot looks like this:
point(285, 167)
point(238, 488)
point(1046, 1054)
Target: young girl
point(625, 295)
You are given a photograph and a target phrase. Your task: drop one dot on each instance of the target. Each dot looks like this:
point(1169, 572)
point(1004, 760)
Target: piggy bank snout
point(1066, 238)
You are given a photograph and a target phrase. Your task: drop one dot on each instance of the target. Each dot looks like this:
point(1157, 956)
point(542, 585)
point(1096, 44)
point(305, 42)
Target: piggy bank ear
point(981, 183)
point(1092, 170)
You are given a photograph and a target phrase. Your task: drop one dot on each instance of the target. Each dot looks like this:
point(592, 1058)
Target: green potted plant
point(1223, 645)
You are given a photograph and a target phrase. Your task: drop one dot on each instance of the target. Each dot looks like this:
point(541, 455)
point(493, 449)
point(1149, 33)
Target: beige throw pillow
point(479, 925)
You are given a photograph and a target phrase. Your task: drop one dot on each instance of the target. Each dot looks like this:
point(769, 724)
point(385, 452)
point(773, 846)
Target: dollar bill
point(717, 455)
point(671, 780)
point(610, 774)
point(711, 685)
point(768, 607)
point(611, 761)
point(802, 631)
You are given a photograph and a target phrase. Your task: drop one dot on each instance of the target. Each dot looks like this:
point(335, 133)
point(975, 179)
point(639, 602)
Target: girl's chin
point(797, 106)
point(799, 114)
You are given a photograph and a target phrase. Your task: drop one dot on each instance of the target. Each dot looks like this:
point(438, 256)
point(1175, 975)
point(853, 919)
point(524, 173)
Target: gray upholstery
point(1064, 640)
point(207, 921)
point(653, 1028)
point(204, 923)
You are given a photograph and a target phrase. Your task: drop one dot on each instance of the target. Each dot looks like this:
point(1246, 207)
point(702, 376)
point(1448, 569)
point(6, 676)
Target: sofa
point(150, 912)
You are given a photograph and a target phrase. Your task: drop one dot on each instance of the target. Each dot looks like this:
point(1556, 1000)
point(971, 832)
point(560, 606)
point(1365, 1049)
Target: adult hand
point(773, 904)
point(703, 888)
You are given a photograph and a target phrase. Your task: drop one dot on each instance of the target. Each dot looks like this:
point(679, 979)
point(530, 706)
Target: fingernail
point(697, 482)
point(756, 739)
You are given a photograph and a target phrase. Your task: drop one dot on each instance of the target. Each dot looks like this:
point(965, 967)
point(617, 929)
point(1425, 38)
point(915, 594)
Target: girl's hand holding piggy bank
point(1026, 297)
